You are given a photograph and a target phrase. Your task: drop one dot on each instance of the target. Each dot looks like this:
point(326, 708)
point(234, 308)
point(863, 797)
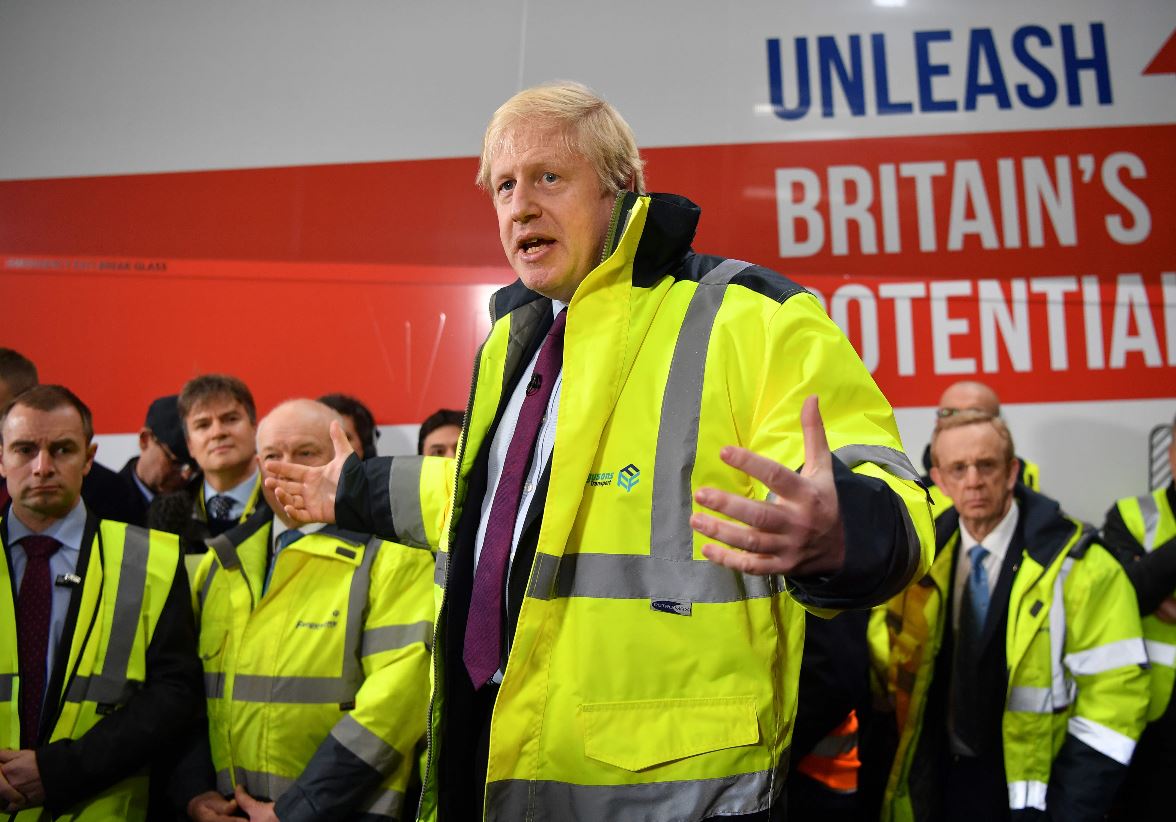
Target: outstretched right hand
point(306, 492)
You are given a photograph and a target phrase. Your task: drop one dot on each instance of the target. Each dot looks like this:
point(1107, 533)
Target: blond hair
point(972, 416)
point(590, 127)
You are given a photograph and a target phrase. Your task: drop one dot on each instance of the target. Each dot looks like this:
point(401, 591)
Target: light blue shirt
point(544, 445)
point(69, 531)
point(239, 494)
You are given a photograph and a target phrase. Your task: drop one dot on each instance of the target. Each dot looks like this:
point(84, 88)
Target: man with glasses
point(1018, 662)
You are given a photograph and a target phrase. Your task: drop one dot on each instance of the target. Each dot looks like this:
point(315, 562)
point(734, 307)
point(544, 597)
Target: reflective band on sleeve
point(386, 804)
point(832, 746)
point(1151, 520)
point(441, 568)
point(292, 690)
point(404, 499)
point(214, 684)
point(1107, 657)
point(391, 637)
point(1024, 795)
point(671, 536)
point(260, 784)
point(7, 681)
point(1160, 653)
point(1106, 741)
point(891, 459)
point(685, 799)
point(366, 745)
point(1030, 700)
point(624, 576)
point(224, 782)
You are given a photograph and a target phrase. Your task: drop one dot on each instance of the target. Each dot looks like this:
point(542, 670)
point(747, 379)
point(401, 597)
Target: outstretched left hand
point(797, 530)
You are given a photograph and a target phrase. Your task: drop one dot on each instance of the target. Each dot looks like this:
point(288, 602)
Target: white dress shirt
point(544, 445)
point(997, 545)
point(69, 531)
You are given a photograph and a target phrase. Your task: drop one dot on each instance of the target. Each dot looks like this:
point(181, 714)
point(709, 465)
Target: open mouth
point(532, 246)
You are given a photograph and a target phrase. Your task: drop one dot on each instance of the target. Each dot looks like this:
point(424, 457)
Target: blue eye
point(549, 177)
point(506, 185)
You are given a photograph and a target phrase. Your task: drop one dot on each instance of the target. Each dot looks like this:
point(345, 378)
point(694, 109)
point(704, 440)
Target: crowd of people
point(745, 605)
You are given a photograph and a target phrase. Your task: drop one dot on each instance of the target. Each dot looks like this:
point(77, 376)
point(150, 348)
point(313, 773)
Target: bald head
point(968, 394)
point(297, 431)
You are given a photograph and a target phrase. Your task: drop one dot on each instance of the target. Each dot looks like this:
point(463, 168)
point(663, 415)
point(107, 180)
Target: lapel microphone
point(68, 581)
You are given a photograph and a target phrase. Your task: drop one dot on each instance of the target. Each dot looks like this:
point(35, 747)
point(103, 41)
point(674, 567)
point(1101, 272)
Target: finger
point(247, 802)
point(339, 440)
point(743, 561)
point(10, 794)
point(816, 444)
point(287, 473)
point(780, 479)
point(776, 517)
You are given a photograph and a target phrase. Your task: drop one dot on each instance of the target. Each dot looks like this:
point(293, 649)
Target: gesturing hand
point(307, 493)
point(797, 531)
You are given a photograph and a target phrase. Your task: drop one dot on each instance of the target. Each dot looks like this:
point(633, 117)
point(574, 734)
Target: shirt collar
point(69, 530)
point(306, 528)
point(239, 493)
point(556, 307)
point(997, 542)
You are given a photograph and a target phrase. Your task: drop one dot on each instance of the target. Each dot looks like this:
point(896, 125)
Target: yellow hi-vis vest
point(1150, 520)
point(644, 680)
point(1074, 653)
point(331, 661)
point(127, 578)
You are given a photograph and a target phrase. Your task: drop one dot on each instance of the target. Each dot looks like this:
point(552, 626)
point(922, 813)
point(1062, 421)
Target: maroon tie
point(32, 618)
point(483, 637)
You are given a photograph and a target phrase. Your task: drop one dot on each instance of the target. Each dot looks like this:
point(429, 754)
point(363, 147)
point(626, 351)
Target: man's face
point(292, 434)
point(442, 442)
point(553, 214)
point(972, 470)
point(44, 457)
point(220, 435)
point(158, 468)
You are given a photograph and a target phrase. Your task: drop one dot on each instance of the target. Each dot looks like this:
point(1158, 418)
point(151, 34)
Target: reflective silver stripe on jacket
point(440, 568)
point(1027, 699)
point(1160, 653)
point(110, 687)
point(404, 500)
point(366, 745)
point(292, 690)
point(1062, 688)
point(214, 684)
point(1023, 795)
point(261, 784)
point(1107, 741)
point(1151, 520)
point(890, 459)
point(639, 576)
point(1107, 657)
point(835, 745)
point(204, 589)
point(391, 637)
point(514, 799)
point(225, 550)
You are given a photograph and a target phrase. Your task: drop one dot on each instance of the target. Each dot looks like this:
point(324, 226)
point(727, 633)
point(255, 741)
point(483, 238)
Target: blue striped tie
point(977, 596)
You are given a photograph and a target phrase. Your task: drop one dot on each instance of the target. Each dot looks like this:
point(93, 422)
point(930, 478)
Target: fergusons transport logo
point(626, 478)
point(629, 476)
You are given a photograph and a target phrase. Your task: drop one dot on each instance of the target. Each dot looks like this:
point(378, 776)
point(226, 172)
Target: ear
point(144, 439)
point(935, 476)
point(1014, 472)
point(91, 450)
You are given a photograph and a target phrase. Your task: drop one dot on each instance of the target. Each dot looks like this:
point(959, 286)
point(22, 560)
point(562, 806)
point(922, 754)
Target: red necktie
point(4, 498)
point(483, 637)
point(32, 618)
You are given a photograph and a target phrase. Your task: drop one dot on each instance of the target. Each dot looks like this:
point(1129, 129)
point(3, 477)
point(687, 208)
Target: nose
point(43, 464)
point(523, 206)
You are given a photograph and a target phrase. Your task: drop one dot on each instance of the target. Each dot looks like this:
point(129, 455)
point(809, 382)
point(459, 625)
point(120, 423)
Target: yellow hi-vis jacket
point(1074, 655)
point(316, 688)
point(1151, 521)
point(128, 575)
point(643, 681)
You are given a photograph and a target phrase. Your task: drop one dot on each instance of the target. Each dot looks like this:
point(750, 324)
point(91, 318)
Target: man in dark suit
point(103, 675)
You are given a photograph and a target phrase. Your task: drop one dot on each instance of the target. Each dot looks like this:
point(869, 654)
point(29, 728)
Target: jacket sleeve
point(1153, 574)
point(884, 509)
point(401, 499)
point(365, 762)
point(1104, 656)
point(165, 709)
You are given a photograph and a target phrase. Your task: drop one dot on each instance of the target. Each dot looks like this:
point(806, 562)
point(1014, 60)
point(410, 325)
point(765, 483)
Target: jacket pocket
point(644, 733)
